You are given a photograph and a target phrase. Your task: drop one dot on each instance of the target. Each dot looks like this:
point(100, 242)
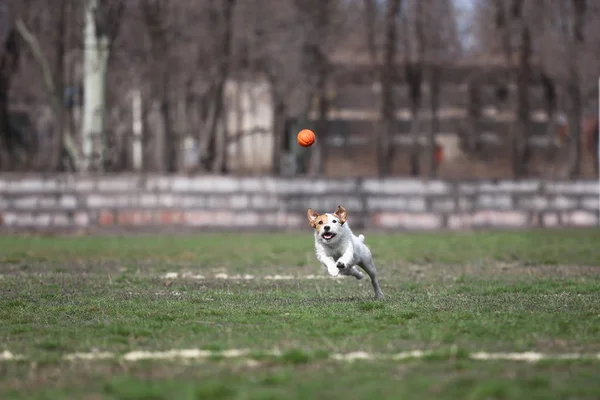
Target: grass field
point(256, 317)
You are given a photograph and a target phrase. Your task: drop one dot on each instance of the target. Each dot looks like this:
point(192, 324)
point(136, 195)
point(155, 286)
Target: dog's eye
point(320, 222)
point(334, 221)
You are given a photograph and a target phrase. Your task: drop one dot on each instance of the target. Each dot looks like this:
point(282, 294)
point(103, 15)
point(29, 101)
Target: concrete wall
point(125, 202)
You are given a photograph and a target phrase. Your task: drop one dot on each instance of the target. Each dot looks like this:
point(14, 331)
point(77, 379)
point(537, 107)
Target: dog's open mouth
point(328, 235)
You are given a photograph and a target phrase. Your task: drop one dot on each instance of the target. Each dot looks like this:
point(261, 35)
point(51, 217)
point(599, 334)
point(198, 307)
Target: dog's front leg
point(326, 260)
point(346, 260)
point(329, 263)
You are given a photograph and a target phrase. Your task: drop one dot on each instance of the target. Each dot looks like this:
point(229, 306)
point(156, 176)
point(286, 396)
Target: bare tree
point(385, 65)
point(217, 140)
point(102, 19)
point(318, 17)
point(513, 23)
point(435, 87)
point(275, 51)
point(59, 82)
point(207, 71)
point(572, 19)
point(521, 148)
point(62, 143)
point(548, 80)
point(473, 115)
point(9, 59)
point(544, 42)
point(414, 68)
point(157, 16)
point(388, 108)
point(439, 46)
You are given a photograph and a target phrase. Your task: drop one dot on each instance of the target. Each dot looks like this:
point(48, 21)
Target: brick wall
point(133, 202)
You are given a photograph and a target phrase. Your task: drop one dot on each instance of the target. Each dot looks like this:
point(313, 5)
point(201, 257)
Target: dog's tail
point(361, 237)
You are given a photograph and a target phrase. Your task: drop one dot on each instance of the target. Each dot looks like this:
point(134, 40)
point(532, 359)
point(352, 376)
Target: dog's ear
point(312, 217)
point(342, 214)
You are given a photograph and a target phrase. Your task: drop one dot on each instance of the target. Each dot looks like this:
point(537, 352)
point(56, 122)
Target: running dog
point(339, 250)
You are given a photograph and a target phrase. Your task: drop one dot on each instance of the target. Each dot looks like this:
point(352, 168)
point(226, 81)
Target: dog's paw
point(341, 265)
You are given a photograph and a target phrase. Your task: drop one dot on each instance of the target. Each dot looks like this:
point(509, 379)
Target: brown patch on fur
point(342, 214)
point(315, 219)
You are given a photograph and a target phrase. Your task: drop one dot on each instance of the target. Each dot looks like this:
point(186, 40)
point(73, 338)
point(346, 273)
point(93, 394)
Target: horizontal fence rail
point(155, 202)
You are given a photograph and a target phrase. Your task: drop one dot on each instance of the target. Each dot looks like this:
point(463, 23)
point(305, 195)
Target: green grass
point(448, 293)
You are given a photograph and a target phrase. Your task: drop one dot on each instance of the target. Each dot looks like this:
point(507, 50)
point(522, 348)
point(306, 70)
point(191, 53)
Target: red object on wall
point(439, 154)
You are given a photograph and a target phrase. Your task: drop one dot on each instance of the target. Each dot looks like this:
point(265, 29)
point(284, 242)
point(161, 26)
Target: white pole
point(137, 129)
point(95, 65)
point(598, 149)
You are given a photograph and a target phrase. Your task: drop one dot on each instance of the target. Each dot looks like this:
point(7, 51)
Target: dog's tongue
point(328, 235)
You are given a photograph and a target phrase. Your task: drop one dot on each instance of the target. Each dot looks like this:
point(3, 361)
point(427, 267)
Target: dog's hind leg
point(352, 271)
point(370, 269)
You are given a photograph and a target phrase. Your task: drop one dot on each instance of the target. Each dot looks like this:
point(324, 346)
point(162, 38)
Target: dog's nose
point(326, 228)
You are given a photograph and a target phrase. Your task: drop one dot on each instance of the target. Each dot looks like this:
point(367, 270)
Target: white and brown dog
point(339, 250)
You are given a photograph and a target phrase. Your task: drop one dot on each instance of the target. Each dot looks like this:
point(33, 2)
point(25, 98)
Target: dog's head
point(328, 227)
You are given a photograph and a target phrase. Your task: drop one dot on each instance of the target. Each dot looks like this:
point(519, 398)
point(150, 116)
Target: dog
point(339, 250)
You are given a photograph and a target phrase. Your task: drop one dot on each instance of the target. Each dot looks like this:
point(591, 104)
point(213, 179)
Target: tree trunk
point(388, 119)
point(317, 67)
point(474, 113)
point(370, 22)
point(8, 65)
point(279, 134)
point(165, 138)
point(521, 148)
point(137, 152)
point(435, 122)
point(388, 109)
point(386, 71)
point(170, 138)
point(211, 125)
point(220, 134)
point(595, 149)
point(574, 114)
point(504, 25)
point(95, 58)
point(6, 138)
point(503, 22)
point(593, 143)
point(215, 154)
point(414, 76)
point(67, 150)
point(148, 154)
point(319, 153)
point(575, 108)
point(550, 103)
point(182, 127)
point(56, 151)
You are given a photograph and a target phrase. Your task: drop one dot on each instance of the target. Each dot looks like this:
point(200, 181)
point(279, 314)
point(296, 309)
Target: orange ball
point(306, 138)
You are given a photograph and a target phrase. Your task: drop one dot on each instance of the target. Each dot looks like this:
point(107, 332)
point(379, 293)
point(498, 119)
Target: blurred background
point(427, 88)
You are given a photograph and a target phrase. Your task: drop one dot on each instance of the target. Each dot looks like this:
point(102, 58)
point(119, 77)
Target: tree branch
point(36, 50)
point(370, 16)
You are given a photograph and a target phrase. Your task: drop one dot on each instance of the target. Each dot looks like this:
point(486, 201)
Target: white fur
point(342, 253)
